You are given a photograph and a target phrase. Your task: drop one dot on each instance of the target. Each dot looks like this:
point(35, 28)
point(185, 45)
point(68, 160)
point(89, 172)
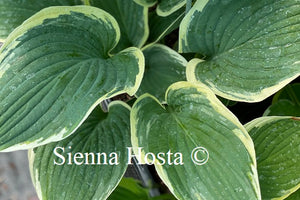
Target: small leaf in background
point(283, 107)
point(164, 197)
point(132, 19)
point(163, 66)
point(227, 102)
point(193, 118)
point(13, 13)
point(96, 176)
point(55, 68)
point(250, 47)
point(277, 142)
point(286, 102)
point(290, 92)
point(294, 196)
point(162, 26)
point(130, 189)
point(164, 7)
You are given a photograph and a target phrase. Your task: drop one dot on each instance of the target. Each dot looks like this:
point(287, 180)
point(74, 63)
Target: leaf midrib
point(172, 113)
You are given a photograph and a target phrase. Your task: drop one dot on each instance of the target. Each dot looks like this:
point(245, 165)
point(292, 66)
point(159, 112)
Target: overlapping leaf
point(192, 118)
point(277, 142)
point(163, 66)
point(132, 19)
point(164, 7)
point(89, 175)
point(251, 47)
point(55, 69)
point(13, 13)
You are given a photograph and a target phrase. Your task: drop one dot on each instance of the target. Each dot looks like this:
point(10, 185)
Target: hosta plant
point(169, 59)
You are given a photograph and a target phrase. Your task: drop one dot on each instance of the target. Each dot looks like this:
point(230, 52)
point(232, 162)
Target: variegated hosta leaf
point(162, 26)
point(277, 142)
point(14, 12)
point(163, 66)
point(90, 175)
point(164, 7)
point(146, 3)
point(194, 117)
point(251, 47)
point(55, 68)
point(132, 19)
point(167, 7)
